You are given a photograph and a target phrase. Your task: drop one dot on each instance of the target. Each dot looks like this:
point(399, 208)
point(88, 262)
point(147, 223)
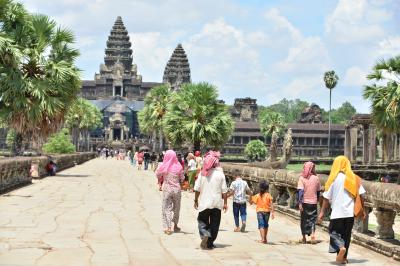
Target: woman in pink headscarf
point(308, 189)
point(170, 176)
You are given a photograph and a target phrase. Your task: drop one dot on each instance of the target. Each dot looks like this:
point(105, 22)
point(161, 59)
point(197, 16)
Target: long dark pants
point(340, 234)
point(209, 221)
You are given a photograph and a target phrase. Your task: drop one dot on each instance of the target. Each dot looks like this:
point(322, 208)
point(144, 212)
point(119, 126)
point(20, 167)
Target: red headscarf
point(211, 160)
point(170, 164)
point(308, 169)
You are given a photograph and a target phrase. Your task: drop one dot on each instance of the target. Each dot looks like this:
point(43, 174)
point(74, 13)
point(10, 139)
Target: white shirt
point(211, 189)
point(342, 203)
point(239, 187)
point(192, 165)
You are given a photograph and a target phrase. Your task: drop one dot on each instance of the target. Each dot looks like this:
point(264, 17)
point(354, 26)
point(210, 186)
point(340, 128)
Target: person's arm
point(196, 199)
point(325, 205)
point(301, 197)
point(224, 196)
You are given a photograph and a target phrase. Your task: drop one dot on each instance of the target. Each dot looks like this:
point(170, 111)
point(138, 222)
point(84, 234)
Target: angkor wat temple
point(118, 90)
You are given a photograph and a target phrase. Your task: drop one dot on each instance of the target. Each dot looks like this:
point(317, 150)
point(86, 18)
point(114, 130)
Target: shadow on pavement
point(65, 175)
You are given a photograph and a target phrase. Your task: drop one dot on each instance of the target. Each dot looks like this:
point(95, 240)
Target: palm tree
point(152, 115)
point(39, 79)
point(385, 99)
point(272, 125)
point(196, 116)
point(330, 79)
point(82, 117)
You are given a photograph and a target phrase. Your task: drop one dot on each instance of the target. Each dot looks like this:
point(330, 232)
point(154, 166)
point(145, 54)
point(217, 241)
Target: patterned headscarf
point(170, 164)
point(211, 160)
point(308, 169)
point(342, 164)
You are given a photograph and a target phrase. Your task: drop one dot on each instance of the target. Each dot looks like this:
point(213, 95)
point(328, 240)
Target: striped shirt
point(239, 187)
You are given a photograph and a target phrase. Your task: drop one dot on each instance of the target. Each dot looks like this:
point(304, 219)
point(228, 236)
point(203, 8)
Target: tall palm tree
point(272, 125)
point(385, 99)
point(38, 77)
point(196, 116)
point(330, 79)
point(82, 117)
point(152, 115)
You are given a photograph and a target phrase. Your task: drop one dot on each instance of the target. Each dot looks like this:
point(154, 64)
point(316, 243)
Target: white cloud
point(355, 76)
point(356, 21)
point(390, 46)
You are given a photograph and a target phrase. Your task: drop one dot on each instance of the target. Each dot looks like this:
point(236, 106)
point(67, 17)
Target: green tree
point(196, 116)
point(289, 109)
point(59, 143)
point(330, 79)
point(152, 116)
point(255, 150)
point(273, 125)
point(38, 77)
point(384, 95)
point(343, 114)
point(82, 117)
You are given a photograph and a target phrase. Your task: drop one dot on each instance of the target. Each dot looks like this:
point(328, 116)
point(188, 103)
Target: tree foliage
point(272, 123)
point(196, 116)
point(384, 94)
point(38, 78)
point(289, 109)
point(330, 79)
point(343, 113)
point(255, 150)
point(59, 143)
point(83, 115)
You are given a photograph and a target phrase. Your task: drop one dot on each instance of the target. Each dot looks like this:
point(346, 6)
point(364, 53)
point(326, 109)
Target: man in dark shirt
point(146, 157)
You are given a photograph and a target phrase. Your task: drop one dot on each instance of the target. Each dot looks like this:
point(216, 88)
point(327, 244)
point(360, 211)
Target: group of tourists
point(105, 152)
point(342, 193)
point(143, 160)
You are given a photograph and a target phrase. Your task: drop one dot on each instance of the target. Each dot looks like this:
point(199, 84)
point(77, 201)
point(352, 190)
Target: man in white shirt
point(340, 192)
point(210, 198)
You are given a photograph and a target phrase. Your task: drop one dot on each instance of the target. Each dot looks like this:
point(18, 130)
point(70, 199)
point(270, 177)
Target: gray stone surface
point(106, 213)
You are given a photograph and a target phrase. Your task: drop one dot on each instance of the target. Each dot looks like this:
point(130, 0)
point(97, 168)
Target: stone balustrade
point(381, 198)
point(15, 172)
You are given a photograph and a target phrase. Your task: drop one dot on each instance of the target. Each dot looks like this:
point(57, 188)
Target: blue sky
point(266, 50)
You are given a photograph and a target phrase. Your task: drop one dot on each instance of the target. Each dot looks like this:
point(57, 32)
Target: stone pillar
point(347, 145)
point(361, 225)
point(111, 134)
point(122, 134)
point(365, 150)
point(372, 144)
point(353, 144)
point(273, 190)
point(385, 219)
point(292, 197)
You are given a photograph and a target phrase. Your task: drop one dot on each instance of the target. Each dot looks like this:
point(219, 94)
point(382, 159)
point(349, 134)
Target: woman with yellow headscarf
point(341, 190)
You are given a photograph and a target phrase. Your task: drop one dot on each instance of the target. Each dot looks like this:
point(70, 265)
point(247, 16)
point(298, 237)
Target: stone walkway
point(106, 213)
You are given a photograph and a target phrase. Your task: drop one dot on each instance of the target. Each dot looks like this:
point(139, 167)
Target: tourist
point(170, 175)
point(51, 168)
point(199, 162)
point(239, 188)
point(264, 209)
point(140, 158)
point(209, 187)
point(153, 160)
point(308, 192)
point(135, 158)
point(342, 189)
point(181, 161)
point(191, 170)
point(146, 157)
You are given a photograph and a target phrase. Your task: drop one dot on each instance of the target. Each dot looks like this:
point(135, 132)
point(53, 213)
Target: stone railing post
point(347, 144)
point(353, 143)
point(365, 149)
point(385, 219)
point(292, 197)
point(361, 225)
point(372, 144)
point(273, 190)
point(282, 197)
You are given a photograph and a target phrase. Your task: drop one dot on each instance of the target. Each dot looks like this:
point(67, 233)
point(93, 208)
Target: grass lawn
point(299, 167)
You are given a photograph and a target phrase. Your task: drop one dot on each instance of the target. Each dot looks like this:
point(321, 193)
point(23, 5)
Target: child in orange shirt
point(265, 208)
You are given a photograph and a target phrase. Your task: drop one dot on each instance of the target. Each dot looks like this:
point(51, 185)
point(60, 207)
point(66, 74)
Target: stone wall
point(382, 198)
point(14, 172)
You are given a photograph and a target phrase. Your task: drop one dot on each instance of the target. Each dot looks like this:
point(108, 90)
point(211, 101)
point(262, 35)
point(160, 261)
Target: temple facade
point(177, 70)
point(117, 90)
point(310, 133)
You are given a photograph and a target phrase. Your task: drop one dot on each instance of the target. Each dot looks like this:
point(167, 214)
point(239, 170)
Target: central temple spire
point(118, 46)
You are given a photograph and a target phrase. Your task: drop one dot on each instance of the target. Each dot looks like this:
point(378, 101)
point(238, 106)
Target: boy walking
point(265, 208)
point(239, 188)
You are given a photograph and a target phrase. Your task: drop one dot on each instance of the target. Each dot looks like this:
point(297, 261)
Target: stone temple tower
point(177, 70)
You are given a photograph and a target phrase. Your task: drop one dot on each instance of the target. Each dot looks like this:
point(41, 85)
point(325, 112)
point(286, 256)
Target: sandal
point(177, 229)
point(236, 230)
point(261, 241)
point(167, 232)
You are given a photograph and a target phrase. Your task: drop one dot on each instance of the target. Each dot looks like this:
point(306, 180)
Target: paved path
point(106, 213)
